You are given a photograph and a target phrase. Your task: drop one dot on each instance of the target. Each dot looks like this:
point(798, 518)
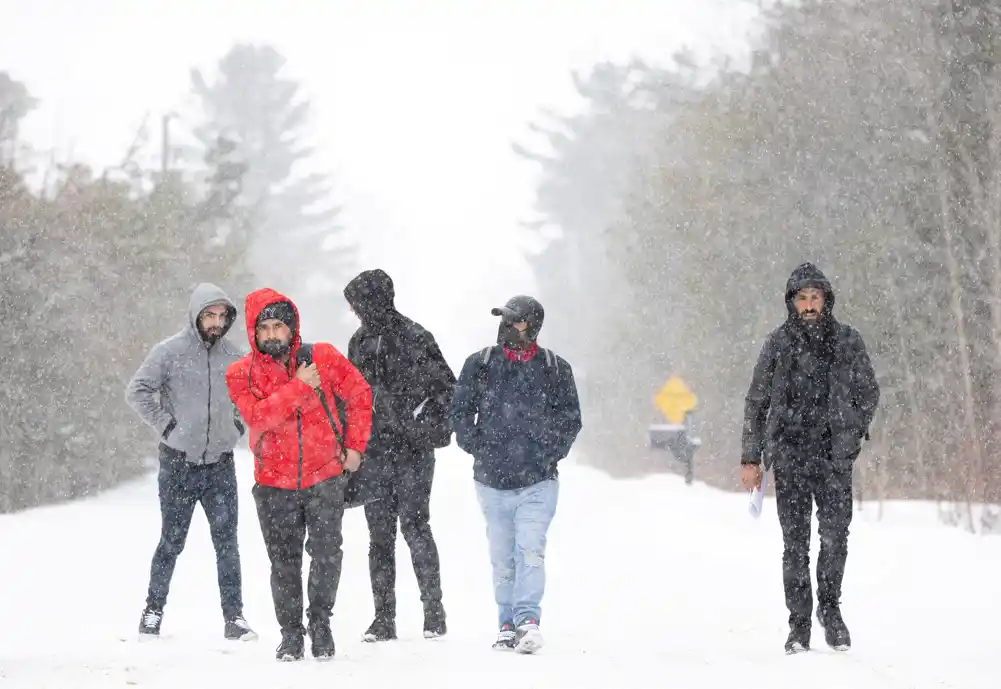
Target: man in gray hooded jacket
point(180, 391)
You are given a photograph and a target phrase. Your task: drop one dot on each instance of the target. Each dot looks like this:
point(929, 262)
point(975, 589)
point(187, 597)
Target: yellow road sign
point(674, 400)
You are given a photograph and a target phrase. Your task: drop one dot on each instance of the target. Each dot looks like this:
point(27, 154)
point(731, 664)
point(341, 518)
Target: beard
point(813, 325)
point(275, 349)
point(210, 335)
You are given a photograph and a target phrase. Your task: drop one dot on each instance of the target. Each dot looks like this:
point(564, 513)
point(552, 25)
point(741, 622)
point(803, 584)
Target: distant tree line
point(864, 136)
point(95, 267)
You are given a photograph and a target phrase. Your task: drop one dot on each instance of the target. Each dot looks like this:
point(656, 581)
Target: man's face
point(212, 321)
point(513, 334)
point(810, 304)
point(273, 337)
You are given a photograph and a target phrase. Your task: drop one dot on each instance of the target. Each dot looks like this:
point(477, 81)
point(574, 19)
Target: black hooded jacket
point(811, 383)
point(403, 364)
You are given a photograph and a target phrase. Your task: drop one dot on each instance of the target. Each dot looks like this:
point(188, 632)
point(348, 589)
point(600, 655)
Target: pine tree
point(263, 116)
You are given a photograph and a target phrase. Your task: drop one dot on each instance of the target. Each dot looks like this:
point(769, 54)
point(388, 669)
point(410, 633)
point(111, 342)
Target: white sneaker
point(528, 638)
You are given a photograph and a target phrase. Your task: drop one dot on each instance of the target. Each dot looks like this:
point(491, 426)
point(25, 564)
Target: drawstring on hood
point(372, 296)
point(203, 296)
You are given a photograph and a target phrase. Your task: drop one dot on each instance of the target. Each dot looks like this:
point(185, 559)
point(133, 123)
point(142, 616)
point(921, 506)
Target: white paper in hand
point(758, 498)
point(420, 407)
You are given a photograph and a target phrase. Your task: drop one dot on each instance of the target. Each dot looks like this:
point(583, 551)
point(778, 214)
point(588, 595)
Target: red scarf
point(521, 355)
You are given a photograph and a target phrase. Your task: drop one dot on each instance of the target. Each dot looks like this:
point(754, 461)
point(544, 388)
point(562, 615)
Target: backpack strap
point(481, 373)
point(552, 373)
point(304, 355)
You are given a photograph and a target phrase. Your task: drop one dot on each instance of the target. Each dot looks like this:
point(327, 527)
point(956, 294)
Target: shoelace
point(151, 618)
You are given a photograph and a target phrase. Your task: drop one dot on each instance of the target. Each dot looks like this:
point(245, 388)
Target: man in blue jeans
point(180, 391)
point(515, 409)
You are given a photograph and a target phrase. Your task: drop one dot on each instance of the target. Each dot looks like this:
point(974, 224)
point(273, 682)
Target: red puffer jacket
point(294, 446)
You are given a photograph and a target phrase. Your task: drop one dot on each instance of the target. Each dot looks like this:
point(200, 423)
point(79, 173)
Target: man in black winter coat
point(812, 398)
point(412, 389)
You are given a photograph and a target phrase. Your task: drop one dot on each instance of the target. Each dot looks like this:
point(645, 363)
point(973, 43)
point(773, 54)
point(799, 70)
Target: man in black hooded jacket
point(412, 389)
point(812, 398)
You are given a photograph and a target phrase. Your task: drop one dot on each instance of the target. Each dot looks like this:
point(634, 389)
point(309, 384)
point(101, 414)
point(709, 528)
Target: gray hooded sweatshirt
point(180, 389)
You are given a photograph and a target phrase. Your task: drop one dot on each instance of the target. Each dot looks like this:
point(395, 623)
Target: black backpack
point(363, 486)
point(431, 428)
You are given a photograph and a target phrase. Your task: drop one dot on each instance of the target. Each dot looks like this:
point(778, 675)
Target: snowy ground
point(651, 584)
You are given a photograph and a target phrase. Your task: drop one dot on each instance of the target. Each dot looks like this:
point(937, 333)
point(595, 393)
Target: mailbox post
point(677, 403)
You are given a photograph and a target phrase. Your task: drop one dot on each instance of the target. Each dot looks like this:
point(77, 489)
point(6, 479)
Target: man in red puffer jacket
point(299, 461)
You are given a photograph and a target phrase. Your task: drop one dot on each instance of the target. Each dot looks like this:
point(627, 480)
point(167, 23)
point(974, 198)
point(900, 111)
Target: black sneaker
point(527, 637)
point(798, 641)
point(381, 629)
point(292, 647)
point(505, 637)
point(149, 623)
point(835, 630)
point(434, 621)
point(322, 640)
point(237, 629)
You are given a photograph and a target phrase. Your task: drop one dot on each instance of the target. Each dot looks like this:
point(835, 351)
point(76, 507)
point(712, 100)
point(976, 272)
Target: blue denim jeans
point(517, 523)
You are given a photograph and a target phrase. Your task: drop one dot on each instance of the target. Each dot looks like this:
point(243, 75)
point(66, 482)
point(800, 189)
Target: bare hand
point(352, 460)
point(750, 476)
point(309, 375)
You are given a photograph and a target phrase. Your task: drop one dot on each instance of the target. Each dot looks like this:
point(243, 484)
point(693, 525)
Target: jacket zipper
point(298, 421)
point(298, 428)
point(208, 424)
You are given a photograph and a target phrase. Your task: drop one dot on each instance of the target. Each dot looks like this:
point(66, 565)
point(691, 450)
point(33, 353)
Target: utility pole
point(165, 144)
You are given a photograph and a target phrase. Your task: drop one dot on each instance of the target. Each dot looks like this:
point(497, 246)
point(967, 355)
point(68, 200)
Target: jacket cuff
point(166, 425)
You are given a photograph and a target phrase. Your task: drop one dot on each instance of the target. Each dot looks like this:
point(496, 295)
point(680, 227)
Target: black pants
point(803, 476)
point(409, 503)
point(183, 485)
point(290, 518)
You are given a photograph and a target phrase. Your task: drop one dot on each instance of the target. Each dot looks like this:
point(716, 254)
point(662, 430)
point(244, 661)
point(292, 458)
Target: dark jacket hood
point(809, 275)
point(372, 296)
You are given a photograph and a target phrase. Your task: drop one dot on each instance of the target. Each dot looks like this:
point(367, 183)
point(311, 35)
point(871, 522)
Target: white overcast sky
point(416, 104)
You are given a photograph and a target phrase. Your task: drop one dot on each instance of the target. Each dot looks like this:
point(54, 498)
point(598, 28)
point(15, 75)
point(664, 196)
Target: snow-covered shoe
point(292, 647)
point(434, 621)
point(798, 641)
point(237, 629)
point(322, 640)
point(835, 630)
point(527, 637)
point(505, 637)
point(149, 623)
point(381, 629)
